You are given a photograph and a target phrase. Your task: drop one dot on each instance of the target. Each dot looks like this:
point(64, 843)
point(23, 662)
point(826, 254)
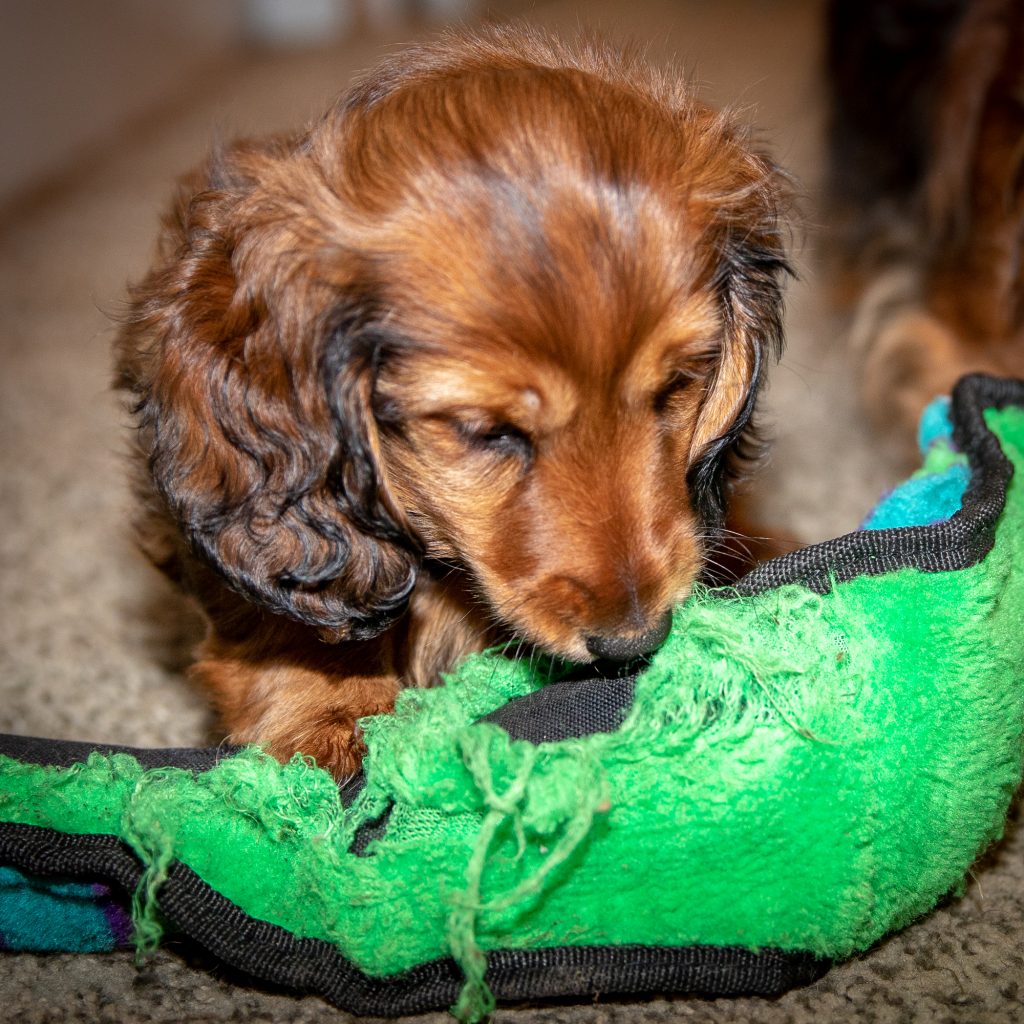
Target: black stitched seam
point(957, 543)
point(272, 954)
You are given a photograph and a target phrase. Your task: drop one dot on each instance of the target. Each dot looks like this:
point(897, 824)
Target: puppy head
point(586, 296)
point(506, 305)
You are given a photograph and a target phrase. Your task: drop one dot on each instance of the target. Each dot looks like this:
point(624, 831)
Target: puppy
point(927, 184)
point(467, 360)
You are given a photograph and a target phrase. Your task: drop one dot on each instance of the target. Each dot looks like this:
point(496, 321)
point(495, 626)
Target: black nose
point(625, 647)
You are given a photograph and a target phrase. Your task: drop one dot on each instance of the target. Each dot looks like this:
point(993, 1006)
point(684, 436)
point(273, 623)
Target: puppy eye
point(695, 375)
point(679, 382)
point(502, 439)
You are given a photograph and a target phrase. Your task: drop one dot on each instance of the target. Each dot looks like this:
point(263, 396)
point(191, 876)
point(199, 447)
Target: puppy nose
point(626, 646)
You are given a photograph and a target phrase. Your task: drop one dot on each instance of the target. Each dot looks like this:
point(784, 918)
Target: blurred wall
point(72, 73)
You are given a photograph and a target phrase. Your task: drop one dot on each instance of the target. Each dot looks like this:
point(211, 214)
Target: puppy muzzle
point(626, 646)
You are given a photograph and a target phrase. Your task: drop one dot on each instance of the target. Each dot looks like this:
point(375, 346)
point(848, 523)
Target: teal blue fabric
point(50, 915)
point(935, 423)
point(935, 492)
point(921, 501)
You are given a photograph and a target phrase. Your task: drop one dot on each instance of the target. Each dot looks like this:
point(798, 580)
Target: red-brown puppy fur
point(465, 361)
point(928, 186)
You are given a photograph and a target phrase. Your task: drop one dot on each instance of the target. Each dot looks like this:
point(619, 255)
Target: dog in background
point(470, 359)
point(927, 183)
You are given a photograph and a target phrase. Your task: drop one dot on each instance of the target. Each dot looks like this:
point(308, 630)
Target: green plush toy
point(812, 760)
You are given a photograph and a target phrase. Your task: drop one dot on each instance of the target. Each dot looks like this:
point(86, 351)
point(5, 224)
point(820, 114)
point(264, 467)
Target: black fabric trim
point(961, 541)
point(351, 787)
point(375, 828)
point(271, 954)
point(568, 709)
point(65, 753)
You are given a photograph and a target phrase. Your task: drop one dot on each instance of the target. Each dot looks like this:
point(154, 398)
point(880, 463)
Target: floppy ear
point(253, 383)
point(748, 281)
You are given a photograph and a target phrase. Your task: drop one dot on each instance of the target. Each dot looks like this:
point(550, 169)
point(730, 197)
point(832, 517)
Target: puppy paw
point(330, 736)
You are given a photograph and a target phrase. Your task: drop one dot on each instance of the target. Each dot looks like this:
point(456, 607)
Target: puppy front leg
point(296, 700)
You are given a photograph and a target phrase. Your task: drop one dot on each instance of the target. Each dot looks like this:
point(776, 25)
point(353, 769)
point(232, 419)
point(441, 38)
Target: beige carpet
point(92, 642)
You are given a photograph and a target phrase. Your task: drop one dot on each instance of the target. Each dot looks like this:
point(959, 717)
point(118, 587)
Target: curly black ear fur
point(749, 281)
point(358, 537)
point(252, 396)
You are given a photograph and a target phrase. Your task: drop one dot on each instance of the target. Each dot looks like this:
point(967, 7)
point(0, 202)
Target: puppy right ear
point(252, 383)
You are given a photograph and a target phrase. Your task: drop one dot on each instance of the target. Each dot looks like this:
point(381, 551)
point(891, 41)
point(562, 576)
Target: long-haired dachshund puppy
point(467, 360)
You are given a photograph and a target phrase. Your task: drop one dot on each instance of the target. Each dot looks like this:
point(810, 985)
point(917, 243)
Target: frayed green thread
point(295, 798)
point(143, 828)
point(476, 1001)
point(743, 682)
